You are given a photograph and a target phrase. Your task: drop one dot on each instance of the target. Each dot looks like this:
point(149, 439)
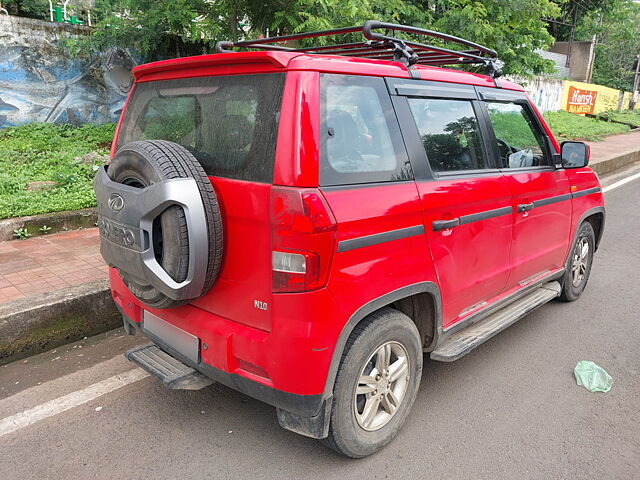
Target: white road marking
point(66, 402)
point(619, 183)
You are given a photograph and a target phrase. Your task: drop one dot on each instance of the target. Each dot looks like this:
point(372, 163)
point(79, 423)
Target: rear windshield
point(228, 123)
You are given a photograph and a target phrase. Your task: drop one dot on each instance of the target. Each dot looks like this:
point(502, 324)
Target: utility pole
point(636, 84)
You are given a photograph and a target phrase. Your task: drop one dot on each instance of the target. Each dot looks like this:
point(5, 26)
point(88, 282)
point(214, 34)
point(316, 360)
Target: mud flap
point(314, 427)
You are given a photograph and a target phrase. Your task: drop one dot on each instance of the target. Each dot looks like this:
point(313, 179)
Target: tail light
point(303, 233)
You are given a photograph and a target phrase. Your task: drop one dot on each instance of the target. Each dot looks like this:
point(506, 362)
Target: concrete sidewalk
point(51, 262)
point(615, 152)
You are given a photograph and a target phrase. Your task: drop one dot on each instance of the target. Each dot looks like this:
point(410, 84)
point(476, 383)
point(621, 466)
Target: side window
point(361, 141)
point(520, 142)
point(450, 134)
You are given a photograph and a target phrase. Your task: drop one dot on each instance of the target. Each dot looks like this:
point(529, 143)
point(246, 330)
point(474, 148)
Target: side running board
point(462, 342)
point(172, 372)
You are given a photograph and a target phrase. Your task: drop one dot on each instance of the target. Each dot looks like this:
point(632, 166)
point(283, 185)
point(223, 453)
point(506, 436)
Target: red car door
point(541, 192)
point(466, 200)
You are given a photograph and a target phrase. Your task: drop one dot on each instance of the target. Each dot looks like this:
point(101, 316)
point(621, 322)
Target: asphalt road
point(510, 409)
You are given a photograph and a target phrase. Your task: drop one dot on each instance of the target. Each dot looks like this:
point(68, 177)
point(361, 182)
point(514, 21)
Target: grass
point(512, 128)
point(49, 168)
point(569, 126)
point(628, 116)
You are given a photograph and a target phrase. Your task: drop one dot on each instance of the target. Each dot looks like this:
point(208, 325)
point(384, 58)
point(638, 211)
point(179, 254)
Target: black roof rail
point(382, 46)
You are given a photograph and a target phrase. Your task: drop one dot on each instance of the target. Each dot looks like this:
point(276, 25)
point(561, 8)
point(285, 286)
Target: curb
point(57, 221)
point(34, 324)
point(615, 162)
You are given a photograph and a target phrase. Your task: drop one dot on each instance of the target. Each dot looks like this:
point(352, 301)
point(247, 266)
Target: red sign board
point(581, 101)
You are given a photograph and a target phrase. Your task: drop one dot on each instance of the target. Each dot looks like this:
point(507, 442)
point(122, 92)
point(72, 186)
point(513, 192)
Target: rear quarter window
point(229, 123)
point(360, 137)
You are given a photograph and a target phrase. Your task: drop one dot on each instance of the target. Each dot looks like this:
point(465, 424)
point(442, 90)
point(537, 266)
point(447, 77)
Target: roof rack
point(382, 46)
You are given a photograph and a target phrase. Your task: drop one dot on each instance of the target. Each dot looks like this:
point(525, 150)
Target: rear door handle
point(438, 225)
point(524, 207)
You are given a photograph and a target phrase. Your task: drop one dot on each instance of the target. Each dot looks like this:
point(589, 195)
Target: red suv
point(302, 224)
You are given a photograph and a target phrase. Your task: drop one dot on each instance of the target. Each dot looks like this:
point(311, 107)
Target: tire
point(579, 264)
point(143, 163)
point(351, 432)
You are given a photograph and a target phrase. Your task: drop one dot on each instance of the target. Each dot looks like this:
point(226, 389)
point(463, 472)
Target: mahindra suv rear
point(303, 224)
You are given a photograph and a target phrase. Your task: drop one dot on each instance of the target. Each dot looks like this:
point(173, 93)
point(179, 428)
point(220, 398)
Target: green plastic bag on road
point(592, 377)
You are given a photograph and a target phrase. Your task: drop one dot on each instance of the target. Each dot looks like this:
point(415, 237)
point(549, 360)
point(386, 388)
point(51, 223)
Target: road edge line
point(66, 402)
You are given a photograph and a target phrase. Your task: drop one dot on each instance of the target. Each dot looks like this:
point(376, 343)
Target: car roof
point(273, 61)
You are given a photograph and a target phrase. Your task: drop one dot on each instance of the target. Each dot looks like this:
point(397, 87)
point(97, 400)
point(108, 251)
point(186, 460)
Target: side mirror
point(574, 154)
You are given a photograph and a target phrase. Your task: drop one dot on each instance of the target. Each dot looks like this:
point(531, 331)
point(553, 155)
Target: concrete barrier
point(35, 324)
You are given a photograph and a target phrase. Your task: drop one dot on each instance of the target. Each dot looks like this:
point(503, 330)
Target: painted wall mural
point(38, 83)
point(551, 94)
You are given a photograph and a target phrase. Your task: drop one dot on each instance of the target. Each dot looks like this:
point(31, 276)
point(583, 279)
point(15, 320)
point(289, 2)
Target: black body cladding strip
point(548, 201)
point(588, 191)
point(360, 242)
point(471, 218)
point(476, 217)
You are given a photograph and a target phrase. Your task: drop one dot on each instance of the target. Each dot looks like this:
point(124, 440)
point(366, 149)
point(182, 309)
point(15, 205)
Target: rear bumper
point(302, 405)
point(280, 368)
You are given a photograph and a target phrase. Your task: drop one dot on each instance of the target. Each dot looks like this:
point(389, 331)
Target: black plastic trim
point(583, 193)
point(524, 207)
point(368, 240)
point(549, 200)
point(589, 213)
point(435, 90)
point(370, 307)
point(477, 217)
point(316, 426)
point(501, 95)
point(478, 173)
point(358, 186)
point(438, 225)
point(411, 137)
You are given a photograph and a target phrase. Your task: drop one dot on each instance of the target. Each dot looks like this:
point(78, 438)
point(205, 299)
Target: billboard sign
point(581, 101)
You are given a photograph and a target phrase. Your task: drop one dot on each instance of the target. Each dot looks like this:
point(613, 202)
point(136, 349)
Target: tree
point(616, 28)
point(27, 8)
point(161, 29)
point(515, 29)
point(572, 12)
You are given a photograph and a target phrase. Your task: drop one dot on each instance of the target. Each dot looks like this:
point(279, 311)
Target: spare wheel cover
point(143, 163)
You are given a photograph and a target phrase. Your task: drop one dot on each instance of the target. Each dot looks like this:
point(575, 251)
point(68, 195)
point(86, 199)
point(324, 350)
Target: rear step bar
point(462, 342)
point(173, 373)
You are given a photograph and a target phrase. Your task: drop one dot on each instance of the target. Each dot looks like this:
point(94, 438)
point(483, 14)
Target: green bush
point(569, 126)
point(49, 168)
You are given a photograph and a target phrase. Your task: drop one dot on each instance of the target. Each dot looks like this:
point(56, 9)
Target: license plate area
point(184, 343)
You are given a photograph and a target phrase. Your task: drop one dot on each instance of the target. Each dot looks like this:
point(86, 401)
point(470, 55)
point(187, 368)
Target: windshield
point(229, 123)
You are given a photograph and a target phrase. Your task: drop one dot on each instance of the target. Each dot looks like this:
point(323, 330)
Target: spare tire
point(143, 163)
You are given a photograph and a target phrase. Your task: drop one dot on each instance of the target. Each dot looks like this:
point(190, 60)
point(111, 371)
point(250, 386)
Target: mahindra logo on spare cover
point(115, 202)
point(581, 101)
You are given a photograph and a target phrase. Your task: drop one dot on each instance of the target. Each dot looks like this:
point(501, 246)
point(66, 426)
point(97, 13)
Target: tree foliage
point(616, 27)
point(181, 27)
point(27, 8)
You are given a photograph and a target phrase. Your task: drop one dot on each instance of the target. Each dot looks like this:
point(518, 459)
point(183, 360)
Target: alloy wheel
point(580, 262)
point(382, 386)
